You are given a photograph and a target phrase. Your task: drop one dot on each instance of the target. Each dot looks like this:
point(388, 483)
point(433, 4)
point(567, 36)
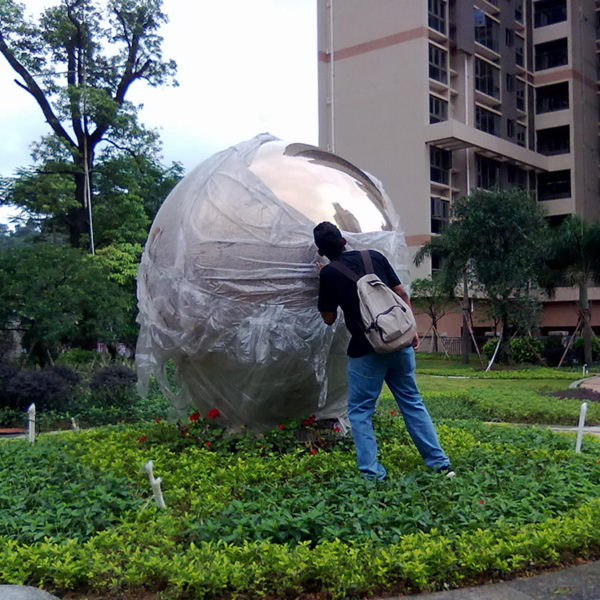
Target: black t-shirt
point(337, 289)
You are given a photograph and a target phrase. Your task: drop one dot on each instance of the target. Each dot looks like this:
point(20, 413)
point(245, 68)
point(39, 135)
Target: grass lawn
point(283, 514)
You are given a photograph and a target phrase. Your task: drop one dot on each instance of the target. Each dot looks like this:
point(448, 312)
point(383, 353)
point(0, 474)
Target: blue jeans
point(366, 375)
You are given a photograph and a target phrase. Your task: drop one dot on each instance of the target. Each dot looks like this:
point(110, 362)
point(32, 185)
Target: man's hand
point(320, 265)
point(416, 342)
point(329, 317)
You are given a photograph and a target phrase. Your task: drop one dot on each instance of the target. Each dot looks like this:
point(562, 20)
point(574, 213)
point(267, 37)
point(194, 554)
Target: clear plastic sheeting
point(228, 283)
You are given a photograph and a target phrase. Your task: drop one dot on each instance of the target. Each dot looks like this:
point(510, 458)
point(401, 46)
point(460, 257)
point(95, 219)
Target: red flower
point(142, 439)
point(208, 444)
point(337, 428)
point(392, 412)
point(282, 426)
point(214, 413)
point(482, 501)
point(195, 416)
point(157, 420)
point(313, 451)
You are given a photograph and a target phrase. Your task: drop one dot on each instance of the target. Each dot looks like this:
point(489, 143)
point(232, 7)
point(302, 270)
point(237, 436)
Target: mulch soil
point(577, 393)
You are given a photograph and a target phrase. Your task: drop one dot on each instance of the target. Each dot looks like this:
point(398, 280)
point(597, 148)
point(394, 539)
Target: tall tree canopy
point(78, 62)
point(500, 235)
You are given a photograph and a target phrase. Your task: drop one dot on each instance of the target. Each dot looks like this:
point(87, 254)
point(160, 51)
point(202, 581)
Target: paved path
point(575, 583)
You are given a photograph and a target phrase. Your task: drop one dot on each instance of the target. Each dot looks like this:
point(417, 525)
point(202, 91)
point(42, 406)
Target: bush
point(552, 350)
point(578, 349)
point(113, 386)
point(525, 350)
point(49, 389)
point(293, 523)
point(77, 356)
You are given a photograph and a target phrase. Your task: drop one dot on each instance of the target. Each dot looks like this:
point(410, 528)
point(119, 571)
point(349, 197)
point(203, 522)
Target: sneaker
point(447, 471)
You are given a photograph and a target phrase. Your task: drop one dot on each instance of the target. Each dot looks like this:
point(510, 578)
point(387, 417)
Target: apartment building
point(438, 97)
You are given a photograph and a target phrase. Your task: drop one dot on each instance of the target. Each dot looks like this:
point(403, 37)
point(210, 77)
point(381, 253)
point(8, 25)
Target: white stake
point(31, 424)
point(74, 425)
point(585, 370)
point(582, 414)
point(155, 483)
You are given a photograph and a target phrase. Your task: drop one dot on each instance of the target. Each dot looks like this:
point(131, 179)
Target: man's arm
point(399, 289)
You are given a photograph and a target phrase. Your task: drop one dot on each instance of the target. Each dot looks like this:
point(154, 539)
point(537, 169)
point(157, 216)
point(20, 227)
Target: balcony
point(551, 54)
point(454, 135)
point(548, 12)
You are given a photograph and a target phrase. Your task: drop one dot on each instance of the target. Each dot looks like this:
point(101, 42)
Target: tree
point(501, 236)
point(450, 248)
point(574, 258)
point(78, 62)
point(55, 295)
point(432, 298)
point(127, 191)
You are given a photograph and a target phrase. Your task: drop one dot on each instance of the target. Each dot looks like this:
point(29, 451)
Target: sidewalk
point(574, 583)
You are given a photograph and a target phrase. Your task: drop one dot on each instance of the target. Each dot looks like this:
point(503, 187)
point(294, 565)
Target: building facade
point(438, 97)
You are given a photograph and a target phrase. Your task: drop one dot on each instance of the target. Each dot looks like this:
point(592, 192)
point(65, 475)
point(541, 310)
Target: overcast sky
point(244, 67)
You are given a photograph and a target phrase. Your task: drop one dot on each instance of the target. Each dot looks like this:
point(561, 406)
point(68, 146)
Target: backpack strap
point(342, 268)
point(367, 262)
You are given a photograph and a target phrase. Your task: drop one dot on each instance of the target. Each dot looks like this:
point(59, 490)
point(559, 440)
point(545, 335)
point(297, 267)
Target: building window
point(516, 177)
point(521, 135)
point(440, 214)
point(547, 12)
point(438, 64)
point(509, 37)
point(519, 12)
point(486, 120)
point(438, 109)
point(553, 185)
point(437, 15)
point(486, 30)
point(519, 51)
point(554, 140)
point(440, 162)
point(510, 128)
point(551, 54)
point(553, 97)
point(487, 78)
point(488, 172)
point(510, 82)
point(520, 94)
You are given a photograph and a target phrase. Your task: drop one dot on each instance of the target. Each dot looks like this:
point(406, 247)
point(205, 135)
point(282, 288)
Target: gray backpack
point(388, 320)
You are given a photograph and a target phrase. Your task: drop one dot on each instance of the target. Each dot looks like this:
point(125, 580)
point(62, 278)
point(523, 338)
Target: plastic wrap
point(228, 283)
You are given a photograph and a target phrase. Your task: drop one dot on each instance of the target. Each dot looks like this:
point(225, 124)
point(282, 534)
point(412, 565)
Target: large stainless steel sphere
point(227, 285)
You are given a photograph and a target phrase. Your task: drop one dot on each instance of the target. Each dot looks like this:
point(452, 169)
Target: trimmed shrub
point(113, 386)
point(552, 350)
point(525, 350)
point(49, 389)
point(578, 349)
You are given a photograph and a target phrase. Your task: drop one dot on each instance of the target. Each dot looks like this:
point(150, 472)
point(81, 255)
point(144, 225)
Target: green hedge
point(284, 514)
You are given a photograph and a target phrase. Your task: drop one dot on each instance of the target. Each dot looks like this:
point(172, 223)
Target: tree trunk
point(434, 339)
point(465, 343)
point(78, 217)
point(584, 307)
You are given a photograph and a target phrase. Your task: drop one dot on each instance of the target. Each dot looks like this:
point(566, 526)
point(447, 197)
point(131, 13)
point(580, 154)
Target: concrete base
point(24, 592)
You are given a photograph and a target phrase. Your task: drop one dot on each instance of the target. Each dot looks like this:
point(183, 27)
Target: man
point(367, 370)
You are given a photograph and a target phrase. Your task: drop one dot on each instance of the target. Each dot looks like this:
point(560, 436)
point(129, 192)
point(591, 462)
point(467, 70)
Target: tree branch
point(34, 89)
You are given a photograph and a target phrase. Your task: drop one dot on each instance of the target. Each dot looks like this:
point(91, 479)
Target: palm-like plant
point(574, 258)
